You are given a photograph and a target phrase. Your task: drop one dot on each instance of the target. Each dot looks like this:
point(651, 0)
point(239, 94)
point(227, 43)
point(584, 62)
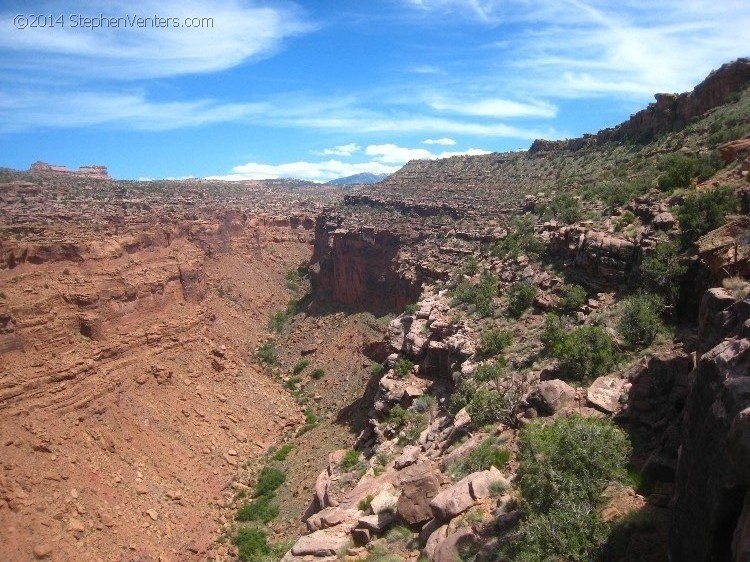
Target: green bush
point(566, 208)
point(520, 297)
point(461, 395)
point(411, 423)
point(402, 368)
point(487, 372)
point(300, 366)
point(263, 508)
point(350, 460)
point(269, 480)
point(411, 309)
point(480, 295)
point(283, 451)
point(662, 271)
point(703, 212)
point(520, 240)
point(267, 353)
point(573, 297)
point(586, 351)
point(482, 457)
point(293, 280)
point(376, 370)
point(278, 321)
point(564, 467)
point(470, 266)
point(252, 544)
point(639, 320)
point(677, 171)
point(318, 373)
point(494, 341)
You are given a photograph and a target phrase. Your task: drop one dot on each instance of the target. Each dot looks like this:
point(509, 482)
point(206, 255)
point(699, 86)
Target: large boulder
point(419, 486)
point(605, 393)
point(462, 495)
point(552, 396)
point(321, 543)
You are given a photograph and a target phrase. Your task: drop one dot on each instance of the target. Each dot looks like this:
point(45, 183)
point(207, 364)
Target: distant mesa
point(363, 178)
point(98, 172)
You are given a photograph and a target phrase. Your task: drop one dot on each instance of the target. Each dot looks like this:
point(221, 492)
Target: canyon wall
point(360, 268)
point(711, 518)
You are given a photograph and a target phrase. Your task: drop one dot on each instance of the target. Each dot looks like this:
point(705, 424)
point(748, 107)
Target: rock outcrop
point(713, 471)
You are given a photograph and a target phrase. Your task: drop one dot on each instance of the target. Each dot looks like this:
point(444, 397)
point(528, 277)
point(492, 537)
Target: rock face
point(713, 471)
point(726, 251)
point(359, 268)
point(596, 260)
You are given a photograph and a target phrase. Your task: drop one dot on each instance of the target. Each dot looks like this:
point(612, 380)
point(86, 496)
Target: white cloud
point(312, 171)
point(384, 159)
point(443, 141)
point(494, 107)
point(238, 32)
point(426, 69)
point(342, 150)
point(393, 154)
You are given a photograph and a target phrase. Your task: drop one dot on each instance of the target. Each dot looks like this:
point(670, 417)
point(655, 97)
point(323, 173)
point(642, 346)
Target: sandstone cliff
point(711, 519)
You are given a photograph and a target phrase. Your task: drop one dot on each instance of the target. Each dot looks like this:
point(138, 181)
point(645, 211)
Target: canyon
point(143, 389)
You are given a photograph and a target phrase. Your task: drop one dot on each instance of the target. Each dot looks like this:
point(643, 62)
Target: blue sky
point(329, 88)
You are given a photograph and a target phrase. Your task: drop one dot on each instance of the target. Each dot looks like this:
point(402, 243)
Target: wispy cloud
point(234, 32)
point(494, 107)
point(442, 142)
point(392, 153)
point(426, 69)
point(342, 150)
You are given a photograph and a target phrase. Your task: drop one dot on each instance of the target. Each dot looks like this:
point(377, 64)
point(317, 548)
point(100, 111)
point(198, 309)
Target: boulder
point(419, 486)
point(605, 393)
point(331, 517)
point(481, 485)
point(384, 502)
point(320, 543)
point(408, 457)
point(459, 497)
point(377, 523)
point(552, 396)
point(447, 549)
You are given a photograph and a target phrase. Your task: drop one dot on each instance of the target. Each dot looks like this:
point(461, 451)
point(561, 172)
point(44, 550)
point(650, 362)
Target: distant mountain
point(365, 177)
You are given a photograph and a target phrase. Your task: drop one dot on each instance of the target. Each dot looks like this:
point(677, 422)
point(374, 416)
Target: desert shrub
point(639, 320)
point(520, 240)
point(626, 219)
point(739, 287)
point(482, 457)
point(499, 401)
point(573, 297)
point(586, 351)
point(553, 332)
point(269, 480)
point(520, 297)
point(662, 271)
point(566, 208)
point(411, 309)
point(461, 395)
point(252, 544)
point(318, 373)
point(402, 367)
point(677, 171)
point(470, 266)
point(300, 366)
point(350, 460)
point(377, 369)
point(278, 321)
point(408, 422)
point(703, 212)
point(283, 451)
point(480, 296)
point(293, 280)
point(708, 165)
point(267, 353)
point(364, 503)
point(564, 467)
point(263, 508)
point(492, 371)
point(494, 341)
